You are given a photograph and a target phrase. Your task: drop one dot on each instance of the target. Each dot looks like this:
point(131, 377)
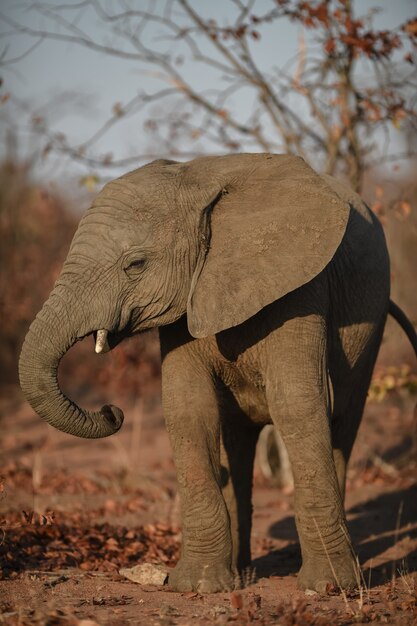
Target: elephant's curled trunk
point(45, 344)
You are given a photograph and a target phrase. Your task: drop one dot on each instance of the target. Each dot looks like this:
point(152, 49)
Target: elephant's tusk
point(102, 345)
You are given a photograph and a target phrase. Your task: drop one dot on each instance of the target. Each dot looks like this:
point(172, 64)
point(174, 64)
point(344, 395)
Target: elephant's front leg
point(192, 418)
point(299, 406)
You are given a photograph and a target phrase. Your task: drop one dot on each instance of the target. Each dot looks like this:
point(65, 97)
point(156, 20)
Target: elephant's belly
point(253, 403)
point(248, 393)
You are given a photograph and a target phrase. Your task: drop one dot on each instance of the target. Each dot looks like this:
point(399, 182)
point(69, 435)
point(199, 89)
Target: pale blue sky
point(56, 68)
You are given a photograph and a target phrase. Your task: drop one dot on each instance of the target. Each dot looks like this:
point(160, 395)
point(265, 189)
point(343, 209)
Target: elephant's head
point(217, 238)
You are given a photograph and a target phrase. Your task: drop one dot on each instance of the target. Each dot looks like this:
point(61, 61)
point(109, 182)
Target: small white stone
point(146, 574)
point(311, 592)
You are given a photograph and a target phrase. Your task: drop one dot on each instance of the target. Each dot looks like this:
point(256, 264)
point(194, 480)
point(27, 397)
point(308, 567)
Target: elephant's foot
point(339, 570)
point(205, 578)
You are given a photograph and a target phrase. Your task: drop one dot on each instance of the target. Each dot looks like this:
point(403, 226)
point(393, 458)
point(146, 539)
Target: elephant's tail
point(404, 322)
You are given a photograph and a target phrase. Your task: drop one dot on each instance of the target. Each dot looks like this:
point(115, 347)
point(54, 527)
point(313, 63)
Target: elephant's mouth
point(104, 340)
point(101, 341)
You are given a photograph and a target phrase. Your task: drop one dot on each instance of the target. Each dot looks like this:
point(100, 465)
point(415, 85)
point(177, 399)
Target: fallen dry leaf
point(236, 600)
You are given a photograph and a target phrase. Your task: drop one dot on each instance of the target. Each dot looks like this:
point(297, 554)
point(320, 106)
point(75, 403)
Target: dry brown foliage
point(36, 228)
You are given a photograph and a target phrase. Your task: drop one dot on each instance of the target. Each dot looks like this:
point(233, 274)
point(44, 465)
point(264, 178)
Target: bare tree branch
point(318, 104)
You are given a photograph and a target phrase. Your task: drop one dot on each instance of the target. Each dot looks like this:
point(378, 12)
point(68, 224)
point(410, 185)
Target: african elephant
point(270, 288)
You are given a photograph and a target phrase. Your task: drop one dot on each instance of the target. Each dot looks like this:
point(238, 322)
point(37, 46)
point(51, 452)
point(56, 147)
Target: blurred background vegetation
point(204, 78)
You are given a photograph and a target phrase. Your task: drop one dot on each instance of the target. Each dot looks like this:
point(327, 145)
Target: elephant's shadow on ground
point(378, 525)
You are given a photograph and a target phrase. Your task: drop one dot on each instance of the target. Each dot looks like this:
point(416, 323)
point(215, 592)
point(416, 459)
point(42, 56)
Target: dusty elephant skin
point(270, 285)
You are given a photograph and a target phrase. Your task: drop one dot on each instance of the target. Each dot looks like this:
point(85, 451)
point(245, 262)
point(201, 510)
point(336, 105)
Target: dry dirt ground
point(74, 512)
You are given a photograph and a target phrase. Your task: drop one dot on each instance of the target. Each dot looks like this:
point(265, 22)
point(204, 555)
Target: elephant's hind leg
point(237, 455)
point(359, 278)
point(350, 378)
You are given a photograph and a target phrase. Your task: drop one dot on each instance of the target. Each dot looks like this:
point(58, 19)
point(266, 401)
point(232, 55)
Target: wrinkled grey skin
point(263, 278)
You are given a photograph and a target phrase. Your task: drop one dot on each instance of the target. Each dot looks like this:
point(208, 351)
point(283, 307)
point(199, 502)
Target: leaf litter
point(61, 567)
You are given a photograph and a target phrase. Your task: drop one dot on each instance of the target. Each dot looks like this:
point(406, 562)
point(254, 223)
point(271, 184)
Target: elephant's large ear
point(274, 224)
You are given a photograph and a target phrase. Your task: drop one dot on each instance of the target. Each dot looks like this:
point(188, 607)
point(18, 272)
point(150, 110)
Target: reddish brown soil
point(73, 512)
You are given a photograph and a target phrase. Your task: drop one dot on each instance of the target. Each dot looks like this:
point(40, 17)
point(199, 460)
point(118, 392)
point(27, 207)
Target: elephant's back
point(359, 273)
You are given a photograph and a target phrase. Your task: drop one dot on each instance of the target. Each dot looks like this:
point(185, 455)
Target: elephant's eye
point(135, 267)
